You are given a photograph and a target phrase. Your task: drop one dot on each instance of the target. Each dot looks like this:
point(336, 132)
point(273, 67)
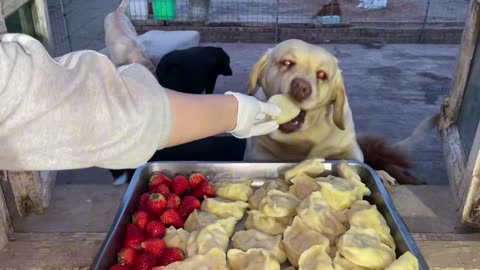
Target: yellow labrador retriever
point(309, 75)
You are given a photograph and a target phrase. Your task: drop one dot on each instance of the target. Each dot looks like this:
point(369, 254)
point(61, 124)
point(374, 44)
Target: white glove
point(251, 116)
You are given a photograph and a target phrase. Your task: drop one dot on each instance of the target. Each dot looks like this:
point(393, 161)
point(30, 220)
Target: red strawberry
point(156, 203)
point(180, 185)
point(162, 189)
point(127, 256)
point(142, 202)
point(145, 262)
point(134, 237)
point(154, 229)
point(204, 189)
point(196, 179)
point(173, 201)
point(171, 255)
point(171, 218)
point(141, 218)
point(158, 178)
point(189, 203)
point(154, 247)
point(120, 267)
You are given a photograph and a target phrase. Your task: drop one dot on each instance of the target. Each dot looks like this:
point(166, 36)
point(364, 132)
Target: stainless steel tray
point(107, 255)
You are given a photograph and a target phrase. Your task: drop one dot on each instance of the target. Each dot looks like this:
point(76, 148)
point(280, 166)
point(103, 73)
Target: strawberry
point(154, 229)
point(171, 218)
point(154, 247)
point(127, 256)
point(189, 203)
point(205, 189)
point(120, 267)
point(142, 202)
point(173, 201)
point(145, 262)
point(141, 218)
point(158, 178)
point(134, 237)
point(196, 179)
point(156, 203)
point(180, 185)
point(171, 255)
point(162, 189)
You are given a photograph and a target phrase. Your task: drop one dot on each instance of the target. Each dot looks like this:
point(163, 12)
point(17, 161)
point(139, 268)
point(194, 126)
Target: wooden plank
point(469, 39)
point(32, 191)
point(41, 23)
point(10, 6)
point(456, 161)
point(3, 25)
point(5, 222)
point(471, 178)
point(451, 254)
point(51, 251)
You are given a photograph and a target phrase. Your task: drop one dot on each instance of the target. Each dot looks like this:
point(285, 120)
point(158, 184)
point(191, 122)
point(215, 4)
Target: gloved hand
point(252, 115)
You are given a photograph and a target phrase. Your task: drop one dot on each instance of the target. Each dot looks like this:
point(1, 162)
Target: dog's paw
point(388, 181)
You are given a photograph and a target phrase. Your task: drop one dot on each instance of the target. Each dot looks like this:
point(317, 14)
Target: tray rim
point(385, 195)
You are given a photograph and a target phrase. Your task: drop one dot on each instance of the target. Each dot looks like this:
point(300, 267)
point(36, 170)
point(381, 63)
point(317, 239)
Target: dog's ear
point(257, 69)
point(338, 100)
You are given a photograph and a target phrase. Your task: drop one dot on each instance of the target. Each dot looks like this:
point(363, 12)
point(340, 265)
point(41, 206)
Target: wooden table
point(428, 211)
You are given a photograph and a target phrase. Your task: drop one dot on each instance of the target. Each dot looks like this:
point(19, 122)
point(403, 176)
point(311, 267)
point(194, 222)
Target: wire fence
point(78, 24)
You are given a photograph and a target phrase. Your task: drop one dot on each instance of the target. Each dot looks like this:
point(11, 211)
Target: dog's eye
point(322, 75)
point(287, 63)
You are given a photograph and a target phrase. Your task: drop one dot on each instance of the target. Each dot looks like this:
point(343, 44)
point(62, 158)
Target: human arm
point(81, 111)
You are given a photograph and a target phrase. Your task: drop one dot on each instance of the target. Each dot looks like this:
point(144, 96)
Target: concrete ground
point(390, 89)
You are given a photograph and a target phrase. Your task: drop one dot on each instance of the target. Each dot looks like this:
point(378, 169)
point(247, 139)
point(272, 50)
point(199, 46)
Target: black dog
point(193, 70)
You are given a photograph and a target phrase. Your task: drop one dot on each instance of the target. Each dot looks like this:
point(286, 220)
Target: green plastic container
point(164, 10)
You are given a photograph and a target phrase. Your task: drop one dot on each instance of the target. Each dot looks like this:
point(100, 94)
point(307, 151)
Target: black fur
point(193, 70)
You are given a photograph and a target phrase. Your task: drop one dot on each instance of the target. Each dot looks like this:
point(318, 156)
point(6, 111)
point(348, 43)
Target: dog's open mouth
point(294, 124)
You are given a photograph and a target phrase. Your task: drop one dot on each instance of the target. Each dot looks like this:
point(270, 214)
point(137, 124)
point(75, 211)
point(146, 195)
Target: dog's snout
point(300, 89)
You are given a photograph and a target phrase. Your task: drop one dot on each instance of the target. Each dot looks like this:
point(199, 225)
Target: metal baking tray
point(107, 255)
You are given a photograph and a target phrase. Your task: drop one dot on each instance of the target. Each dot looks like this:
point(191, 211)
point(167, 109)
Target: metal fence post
point(277, 12)
point(65, 23)
point(422, 32)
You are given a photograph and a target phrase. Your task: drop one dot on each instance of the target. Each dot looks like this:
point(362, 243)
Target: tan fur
point(121, 40)
point(328, 131)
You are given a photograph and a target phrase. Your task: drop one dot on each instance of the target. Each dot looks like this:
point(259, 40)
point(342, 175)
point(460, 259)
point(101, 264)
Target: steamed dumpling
point(289, 109)
point(234, 191)
point(224, 208)
point(318, 215)
point(248, 239)
point(253, 259)
point(303, 185)
point(346, 171)
point(199, 219)
point(338, 192)
point(206, 239)
point(215, 259)
point(269, 225)
point(176, 238)
point(363, 247)
point(278, 204)
point(405, 262)
point(311, 167)
point(364, 215)
point(341, 263)
point(315, 258)
point(299, 237)
point(261, 193)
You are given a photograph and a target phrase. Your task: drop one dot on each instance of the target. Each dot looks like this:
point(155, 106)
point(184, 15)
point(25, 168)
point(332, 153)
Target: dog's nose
point(300, 89)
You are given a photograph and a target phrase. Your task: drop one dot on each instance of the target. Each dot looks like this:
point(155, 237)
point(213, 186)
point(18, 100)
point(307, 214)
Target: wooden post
point(5, 222)
point(32, 190)
point(41, 23)
point(458, 119)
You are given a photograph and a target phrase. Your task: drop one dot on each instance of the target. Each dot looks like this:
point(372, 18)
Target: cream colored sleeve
point(77, 111)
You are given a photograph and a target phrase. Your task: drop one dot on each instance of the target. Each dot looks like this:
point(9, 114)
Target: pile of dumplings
point(303, 221)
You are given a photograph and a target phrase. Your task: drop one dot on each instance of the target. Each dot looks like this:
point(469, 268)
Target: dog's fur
point(328, 130)
point(193, 70)
point(122, 41)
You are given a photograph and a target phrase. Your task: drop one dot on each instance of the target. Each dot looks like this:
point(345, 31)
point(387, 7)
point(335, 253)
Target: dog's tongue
point(294, 124)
